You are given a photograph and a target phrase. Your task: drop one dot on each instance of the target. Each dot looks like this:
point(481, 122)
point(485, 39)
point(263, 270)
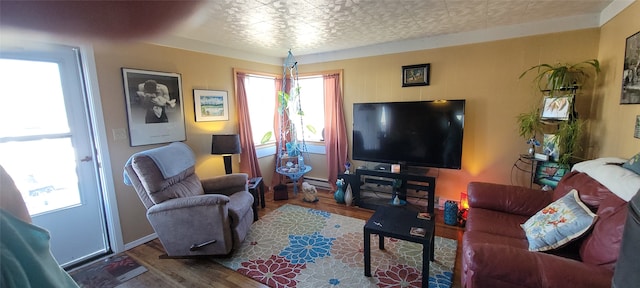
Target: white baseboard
point(140, 241)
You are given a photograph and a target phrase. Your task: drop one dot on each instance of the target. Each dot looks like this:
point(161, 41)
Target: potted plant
point(529, 125)
point(561, 76)
point(568, 138)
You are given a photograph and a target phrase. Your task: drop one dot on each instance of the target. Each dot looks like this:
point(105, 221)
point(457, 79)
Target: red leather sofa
point(495, 248)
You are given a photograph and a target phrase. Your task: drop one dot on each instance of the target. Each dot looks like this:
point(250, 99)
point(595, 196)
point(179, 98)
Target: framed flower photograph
point(416, 75)
point(154, 106)
point(210, 105)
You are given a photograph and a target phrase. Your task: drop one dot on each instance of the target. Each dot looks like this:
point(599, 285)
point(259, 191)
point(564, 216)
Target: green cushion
point(633, 164)
point(557, 224)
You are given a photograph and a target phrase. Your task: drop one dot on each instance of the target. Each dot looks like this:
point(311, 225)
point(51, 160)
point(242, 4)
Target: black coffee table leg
point(381, 240)
point(425, 266)
point(367, 253)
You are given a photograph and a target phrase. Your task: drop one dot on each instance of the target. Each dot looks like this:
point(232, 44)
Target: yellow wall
point(484, 74)
point(198, 71)
point(613, 133)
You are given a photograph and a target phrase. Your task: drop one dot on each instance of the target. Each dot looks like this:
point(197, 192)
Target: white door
point(46, 146)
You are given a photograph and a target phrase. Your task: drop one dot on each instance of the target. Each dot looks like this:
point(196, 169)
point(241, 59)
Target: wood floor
point(207, 273)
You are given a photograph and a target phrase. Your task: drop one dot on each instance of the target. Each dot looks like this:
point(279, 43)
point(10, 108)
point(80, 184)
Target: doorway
point(48, 148)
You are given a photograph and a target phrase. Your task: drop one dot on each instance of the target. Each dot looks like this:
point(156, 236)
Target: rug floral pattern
point(295, 246)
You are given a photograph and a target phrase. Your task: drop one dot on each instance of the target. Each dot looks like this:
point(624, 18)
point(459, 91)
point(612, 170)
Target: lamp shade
point(225, 144)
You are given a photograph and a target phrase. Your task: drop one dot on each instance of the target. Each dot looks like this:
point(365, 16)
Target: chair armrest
point(518, 267)
point(225, 184)
point(507, 198)
point(188, 203)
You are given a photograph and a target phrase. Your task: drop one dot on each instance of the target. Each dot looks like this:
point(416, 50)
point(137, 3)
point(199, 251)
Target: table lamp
point(225, 145)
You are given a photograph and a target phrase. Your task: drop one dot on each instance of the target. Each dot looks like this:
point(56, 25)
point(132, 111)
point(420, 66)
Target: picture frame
point(550, 147)
point(556, 108)
point(549, 173)
point(630, 93)
point(416, 75)
point(210, 105)
point(154, 104)
point(636, 132)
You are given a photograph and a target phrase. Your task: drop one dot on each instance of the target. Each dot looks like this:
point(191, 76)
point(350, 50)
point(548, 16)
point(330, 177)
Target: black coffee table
point(396, 222)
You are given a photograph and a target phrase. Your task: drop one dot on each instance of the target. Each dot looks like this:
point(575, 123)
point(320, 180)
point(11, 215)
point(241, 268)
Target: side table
point(396, 222)
point(256, 188)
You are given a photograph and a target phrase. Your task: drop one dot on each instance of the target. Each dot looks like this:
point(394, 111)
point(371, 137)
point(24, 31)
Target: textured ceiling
point(272, 27)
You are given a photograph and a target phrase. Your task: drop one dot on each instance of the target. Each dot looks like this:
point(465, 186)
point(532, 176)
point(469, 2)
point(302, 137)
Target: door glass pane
point(44, 172)
point(39, 154)
point(32, 99)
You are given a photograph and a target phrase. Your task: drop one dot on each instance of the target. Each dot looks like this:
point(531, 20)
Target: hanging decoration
point(291, 151)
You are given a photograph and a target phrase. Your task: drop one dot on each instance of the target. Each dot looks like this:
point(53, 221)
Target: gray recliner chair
point(191, 217)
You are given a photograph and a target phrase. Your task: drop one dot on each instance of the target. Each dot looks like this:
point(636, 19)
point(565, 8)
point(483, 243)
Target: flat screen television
point(418, 133)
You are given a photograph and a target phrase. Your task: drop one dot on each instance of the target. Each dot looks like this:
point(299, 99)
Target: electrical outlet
point(119, 134)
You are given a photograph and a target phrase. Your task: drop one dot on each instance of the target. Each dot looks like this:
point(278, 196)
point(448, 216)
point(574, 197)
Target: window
point(261, 99)
point(312, 103)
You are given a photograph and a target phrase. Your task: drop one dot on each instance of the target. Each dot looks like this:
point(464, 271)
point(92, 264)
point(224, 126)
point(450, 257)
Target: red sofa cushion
point(602, 246)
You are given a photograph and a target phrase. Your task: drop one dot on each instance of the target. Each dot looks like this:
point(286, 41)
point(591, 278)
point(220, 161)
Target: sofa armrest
point(507, 198)
point(226, 184)
point(518, 267)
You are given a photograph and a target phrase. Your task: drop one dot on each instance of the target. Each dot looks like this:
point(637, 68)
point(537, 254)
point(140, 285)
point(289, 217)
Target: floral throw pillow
point(633, 164)
point(557, 224)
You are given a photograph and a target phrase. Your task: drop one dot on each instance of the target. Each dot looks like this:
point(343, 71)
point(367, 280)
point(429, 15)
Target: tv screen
point(419, 133)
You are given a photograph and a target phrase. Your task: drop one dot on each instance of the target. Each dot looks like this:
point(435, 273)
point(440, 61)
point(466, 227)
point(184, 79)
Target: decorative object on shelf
point(557, 77)
point(288, 144)
point(550, 147)
point(416, 75)
point(309, 193)
point(550, 173)
point(347, 165)
point(339, 194)
point(210, 105)
point(557, 108)
point(631, 71)
point(559, 84)
point(154, 107)
point(533, 143)
point(225, 145)
point(451, 212)
point(348, 196)
point(464, 209)
point(396, 200)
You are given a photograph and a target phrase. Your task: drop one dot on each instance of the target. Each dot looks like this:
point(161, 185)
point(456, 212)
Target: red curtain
point(248, 159)
point(335, 134)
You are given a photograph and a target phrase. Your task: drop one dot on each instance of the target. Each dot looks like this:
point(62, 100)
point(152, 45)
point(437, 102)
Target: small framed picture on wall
point(210, 105)
point(416, 75)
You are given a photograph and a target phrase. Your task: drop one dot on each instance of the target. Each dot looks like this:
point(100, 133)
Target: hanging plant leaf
point(311, 129)
point(266, 137)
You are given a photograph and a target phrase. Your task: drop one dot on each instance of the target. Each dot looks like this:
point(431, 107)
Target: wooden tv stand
point(386, 178)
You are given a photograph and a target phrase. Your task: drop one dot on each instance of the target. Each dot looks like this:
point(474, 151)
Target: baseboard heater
point(318, 182)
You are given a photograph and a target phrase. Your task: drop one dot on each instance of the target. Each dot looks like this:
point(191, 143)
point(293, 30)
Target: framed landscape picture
point(210, 105)
point(154, 106)
point(416, 75)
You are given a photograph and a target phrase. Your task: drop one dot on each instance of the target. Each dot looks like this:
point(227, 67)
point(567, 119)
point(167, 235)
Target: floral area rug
point(295, 246)
point(109, 272)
